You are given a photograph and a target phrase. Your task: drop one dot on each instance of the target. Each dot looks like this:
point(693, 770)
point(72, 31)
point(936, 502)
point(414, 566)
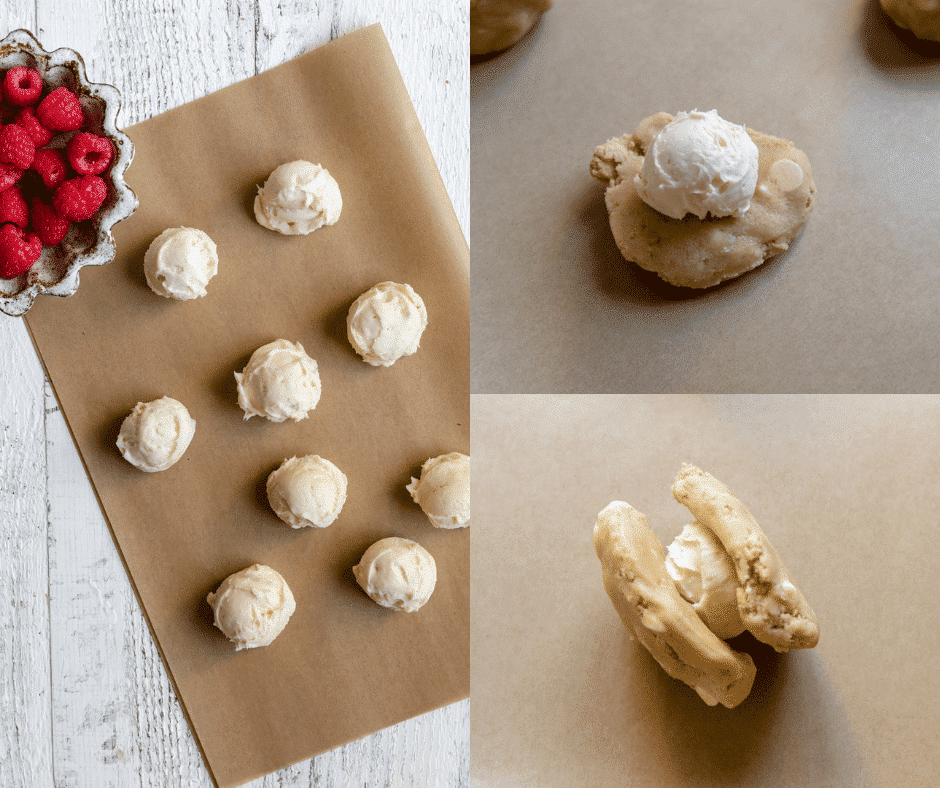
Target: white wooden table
point(84, 698)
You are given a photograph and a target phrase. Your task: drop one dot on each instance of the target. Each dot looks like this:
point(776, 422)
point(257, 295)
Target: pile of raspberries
point(44, 189)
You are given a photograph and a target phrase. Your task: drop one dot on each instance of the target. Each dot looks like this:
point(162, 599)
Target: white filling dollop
point(279, 382)
point(156, 434)
point(699, 163)
point(397, 573)
point(180, 262)
point(386, 323)
point(443, 491)
point(298, 198)
point(252, 606)
point(307, 491)
point(704, 575)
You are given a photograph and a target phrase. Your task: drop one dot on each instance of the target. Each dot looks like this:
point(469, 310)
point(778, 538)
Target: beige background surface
point(846, 488)
point(851, 306)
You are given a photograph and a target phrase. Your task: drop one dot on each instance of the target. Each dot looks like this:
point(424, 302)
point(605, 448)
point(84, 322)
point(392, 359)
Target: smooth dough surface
point(647, 601)
point(921, 17)
point(496, 25)
point(692, 252)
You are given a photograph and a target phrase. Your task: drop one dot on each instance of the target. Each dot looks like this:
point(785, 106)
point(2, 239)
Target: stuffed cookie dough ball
point(307, 492)
point(252, 606)
point(156, 434)
point(397, 573)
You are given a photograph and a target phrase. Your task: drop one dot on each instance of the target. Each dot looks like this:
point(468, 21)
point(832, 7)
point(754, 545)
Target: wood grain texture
point(84, 697)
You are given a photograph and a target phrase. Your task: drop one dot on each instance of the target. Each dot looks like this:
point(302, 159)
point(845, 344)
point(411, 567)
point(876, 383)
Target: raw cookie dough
point(385, 323)
point(704, 576)
point(498, 24)
point(298, 198)
point(692, 252)
point(180, 262)
point(771, 607)
point(921, 17)
point(307, 491)
point(443, 491)
point(252, 606)
point(279, 382)
point(156, 434)
point(397, 573)
point(651, 608)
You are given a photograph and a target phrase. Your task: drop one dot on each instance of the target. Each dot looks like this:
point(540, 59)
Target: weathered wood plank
point(25, 723)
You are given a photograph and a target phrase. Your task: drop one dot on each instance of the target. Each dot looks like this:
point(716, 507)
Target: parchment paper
point(343, 667)
point(851, 307)
point(845, 488)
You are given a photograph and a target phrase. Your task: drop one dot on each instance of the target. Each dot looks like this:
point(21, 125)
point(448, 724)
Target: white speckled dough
point(496, 25)
point(653, 611)
point(692, 252)
point(921, 17)
point(307, 492)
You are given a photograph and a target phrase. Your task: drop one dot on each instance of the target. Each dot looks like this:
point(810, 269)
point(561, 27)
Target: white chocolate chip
point(787, 174)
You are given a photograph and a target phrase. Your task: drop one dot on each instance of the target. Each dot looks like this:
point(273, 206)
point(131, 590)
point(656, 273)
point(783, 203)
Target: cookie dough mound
point(279, 382)
point(307, 492)
point(496, 25)
point(443, 491)
point(397, 573)
point(252, 607)
point(156, 434)
point(771, 607)
point(651, 608)
point(699, 253)
point(704, 576)
point(180, 262)
point(921, 17)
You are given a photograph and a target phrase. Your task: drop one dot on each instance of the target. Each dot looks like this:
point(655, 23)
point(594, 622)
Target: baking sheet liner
point(343, 667)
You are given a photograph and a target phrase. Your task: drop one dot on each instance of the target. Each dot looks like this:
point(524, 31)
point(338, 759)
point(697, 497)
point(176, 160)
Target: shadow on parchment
point(896, 52)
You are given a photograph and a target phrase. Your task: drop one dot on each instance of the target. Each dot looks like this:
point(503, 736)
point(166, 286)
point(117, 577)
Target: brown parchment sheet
point(344, 667)
point(851, 307)
point(846, 489)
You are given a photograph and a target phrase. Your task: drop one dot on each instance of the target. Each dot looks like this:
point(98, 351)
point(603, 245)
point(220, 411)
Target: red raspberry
point(79, 198)
point(89, 154)
point(49, 225)
point(13, 207)
point(9, 175)
point(18, 250)
point(60, 111)
point(51, 165)
point(26, 120)
point(16, 146)
point(22, 86)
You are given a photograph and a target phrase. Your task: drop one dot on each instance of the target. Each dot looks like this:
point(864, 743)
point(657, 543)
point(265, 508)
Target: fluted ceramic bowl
point(89, 242)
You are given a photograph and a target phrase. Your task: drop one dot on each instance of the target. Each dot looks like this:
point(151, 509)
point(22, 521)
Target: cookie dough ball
point(704, 575)
point(156, 434)
point(921, 17)
point(386, 323)
point(699, 164)
point(694, 252)
point(307, 492)
point(443, 491)
point(280, 382)
point(180, 262)
point(397, 573)
point(498, 24)
point(252, 607)
point(298, 198)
